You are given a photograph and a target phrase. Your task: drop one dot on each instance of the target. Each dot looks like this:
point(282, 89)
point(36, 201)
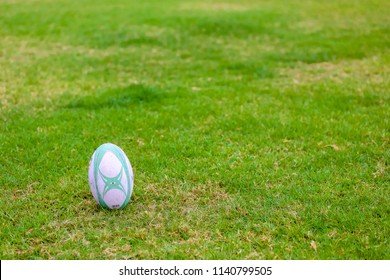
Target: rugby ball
point(110, 177)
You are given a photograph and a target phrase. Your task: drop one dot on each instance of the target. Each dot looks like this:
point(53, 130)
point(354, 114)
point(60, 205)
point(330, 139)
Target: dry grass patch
point(216, 6)
point(368, 70)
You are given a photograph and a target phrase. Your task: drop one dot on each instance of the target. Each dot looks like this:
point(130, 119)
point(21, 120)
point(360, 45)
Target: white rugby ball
point(110, 177)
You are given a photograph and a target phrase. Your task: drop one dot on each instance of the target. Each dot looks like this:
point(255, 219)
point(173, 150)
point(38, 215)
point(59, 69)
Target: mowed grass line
point(256, 130)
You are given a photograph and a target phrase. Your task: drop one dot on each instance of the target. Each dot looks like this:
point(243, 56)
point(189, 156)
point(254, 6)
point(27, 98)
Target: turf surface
point(256, 129)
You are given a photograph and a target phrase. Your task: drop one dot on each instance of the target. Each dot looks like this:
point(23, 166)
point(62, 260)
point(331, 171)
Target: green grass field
point(256, 129)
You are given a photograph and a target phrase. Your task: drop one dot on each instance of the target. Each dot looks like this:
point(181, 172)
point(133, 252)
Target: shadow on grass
point(116, 98)
point(253, 69)
point(124, 38)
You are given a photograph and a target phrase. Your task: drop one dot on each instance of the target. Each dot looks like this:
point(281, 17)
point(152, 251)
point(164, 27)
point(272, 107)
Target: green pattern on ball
point(111, 182)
